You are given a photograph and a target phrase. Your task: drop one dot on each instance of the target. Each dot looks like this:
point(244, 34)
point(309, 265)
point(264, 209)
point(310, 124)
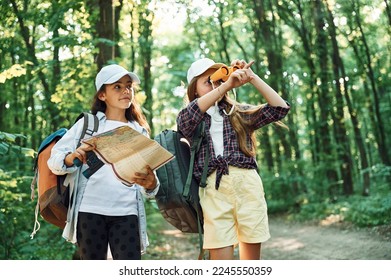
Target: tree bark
point(30, 46)
point(145, 17)
point(324, 104)
point(343, 150)
point(108, 32)
point(381, 137)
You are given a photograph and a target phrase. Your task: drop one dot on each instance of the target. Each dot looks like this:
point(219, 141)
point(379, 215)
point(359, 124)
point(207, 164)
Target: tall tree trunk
point(381, 137)
point(264, 136)
point(343, 151)
point(223, 42)
point(56, 69)
point(277, 79)
point(300, 26)
point(146, 17)
point(108, 32)
point(324, 105)
point(132, 41)
point(353, 113)
point(388, 12)
point(50, 108)
point(270, 34)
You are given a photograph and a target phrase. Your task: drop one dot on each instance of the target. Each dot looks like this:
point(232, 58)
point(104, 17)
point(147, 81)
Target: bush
point(370, 211)
point(17, 221)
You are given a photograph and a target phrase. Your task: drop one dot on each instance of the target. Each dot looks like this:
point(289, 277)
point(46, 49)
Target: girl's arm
point(208, 100)
point(65, 146)
point(239, 78)
point(271, 96)
point(247, 75)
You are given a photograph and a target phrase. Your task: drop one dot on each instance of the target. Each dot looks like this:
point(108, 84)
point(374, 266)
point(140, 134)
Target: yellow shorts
point(237, 211)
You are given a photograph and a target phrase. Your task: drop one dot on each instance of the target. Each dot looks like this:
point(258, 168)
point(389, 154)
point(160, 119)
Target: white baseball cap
point(200, 66)
point(111, 73)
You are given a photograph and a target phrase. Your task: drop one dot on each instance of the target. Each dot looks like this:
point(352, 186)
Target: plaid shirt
point(188, 119)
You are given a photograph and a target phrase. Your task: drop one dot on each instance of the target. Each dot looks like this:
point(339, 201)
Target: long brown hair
point(133, 113)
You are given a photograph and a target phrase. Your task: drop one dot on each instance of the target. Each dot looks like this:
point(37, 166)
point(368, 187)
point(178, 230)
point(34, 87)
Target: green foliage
point(8, 144)
point(361, 211)
point(372, 211)
point(316, 211)
point(17, 222)
point(17, 212)
point(49, 59)
point(306, 197)
point(279, 206)
point(380, 173)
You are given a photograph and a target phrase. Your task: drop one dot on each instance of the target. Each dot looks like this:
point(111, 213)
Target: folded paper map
point(128, 152)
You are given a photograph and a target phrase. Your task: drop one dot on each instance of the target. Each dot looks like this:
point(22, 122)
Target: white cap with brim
point(111, 73)
point(200, 66)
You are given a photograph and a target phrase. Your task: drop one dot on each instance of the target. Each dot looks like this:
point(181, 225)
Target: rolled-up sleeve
point(189, 118)
point(269, 114)
point(149, 194)
point(67, 144)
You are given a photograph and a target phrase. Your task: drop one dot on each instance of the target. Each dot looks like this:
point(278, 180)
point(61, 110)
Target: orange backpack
point(53, 195)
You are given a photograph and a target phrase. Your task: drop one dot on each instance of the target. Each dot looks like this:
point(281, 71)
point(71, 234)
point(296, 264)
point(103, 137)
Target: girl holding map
point(103, 211)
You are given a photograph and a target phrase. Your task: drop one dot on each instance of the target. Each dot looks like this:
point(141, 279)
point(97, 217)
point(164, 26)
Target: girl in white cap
point(104, 212)
point(233, 202)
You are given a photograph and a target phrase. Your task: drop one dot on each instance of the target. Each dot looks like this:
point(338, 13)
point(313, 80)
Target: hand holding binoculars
point(93, 162)
point(223, 73)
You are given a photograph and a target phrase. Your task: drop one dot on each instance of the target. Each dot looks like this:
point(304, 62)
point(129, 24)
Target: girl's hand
point(147, 181)
point(80, 153)
point(241, 76)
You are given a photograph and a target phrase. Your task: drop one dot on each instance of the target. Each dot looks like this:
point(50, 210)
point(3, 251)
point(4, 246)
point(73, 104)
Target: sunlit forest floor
point(329, 239)
point(168, 243)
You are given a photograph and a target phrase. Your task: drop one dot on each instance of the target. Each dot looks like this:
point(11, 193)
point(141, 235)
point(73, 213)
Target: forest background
point(330, 59)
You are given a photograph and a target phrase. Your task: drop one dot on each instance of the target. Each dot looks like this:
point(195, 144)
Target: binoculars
point(223, 73)
point(93, 162)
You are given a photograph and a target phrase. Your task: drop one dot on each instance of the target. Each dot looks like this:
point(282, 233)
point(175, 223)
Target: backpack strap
point(198, 138)
point(90, 126)
point(206, 162)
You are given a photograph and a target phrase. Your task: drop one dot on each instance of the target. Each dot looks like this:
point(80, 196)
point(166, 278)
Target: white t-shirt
point(216, 130)
point(104, 193)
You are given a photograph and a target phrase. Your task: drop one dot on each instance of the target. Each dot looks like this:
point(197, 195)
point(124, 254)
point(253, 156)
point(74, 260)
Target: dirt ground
point(325, 240)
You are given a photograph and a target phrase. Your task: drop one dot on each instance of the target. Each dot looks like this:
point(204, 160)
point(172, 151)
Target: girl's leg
point(124, 238)
point(226, 253)
point(92, 237)
point(249, 251)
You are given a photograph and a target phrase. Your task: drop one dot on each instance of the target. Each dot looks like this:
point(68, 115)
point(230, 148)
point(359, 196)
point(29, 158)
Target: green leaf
point(3, 148)
point(28, 152)
point(8, 137)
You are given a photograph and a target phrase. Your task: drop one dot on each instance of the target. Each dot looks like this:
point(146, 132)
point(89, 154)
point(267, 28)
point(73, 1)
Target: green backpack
point(177, 198)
